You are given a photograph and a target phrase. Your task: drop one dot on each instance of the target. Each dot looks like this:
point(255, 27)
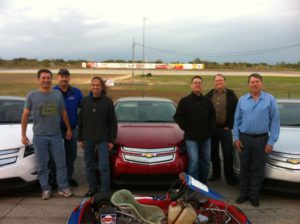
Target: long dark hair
point(102, 84)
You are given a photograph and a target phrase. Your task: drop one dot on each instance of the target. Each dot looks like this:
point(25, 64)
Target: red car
point(149, 147)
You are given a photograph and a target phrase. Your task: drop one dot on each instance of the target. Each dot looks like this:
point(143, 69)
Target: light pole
point(132, 71)
point(144, 20)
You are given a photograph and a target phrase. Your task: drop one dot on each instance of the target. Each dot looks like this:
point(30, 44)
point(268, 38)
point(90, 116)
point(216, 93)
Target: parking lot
point(25, 206)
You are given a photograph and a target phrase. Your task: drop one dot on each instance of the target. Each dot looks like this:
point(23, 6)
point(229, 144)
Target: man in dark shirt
point(196, 116)
point(224, 101)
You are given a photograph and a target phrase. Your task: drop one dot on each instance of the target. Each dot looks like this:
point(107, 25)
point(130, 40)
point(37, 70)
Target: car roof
point(12, 98)
point(159, 99)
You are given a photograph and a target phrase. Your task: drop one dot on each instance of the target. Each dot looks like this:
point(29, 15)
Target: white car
point(17, 162)
point(282, 172)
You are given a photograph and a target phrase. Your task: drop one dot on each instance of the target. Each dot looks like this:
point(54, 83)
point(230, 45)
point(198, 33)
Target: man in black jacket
point(195, 115)
point(224, 101)
point(97, 128)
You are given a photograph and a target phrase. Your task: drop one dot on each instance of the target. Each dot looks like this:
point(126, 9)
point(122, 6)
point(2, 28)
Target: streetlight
point(144, 20)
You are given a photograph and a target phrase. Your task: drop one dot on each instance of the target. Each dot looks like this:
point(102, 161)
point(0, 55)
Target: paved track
point(26, 207)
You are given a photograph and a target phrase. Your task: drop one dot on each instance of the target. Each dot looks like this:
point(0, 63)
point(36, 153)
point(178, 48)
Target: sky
point(251, 31)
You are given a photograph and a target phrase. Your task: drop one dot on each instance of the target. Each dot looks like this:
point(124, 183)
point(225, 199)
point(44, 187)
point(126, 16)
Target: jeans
point(70, 151)
point(199, 159)
point(103, 163)
point(219, 135)
point(70, 156)
point(46, 146)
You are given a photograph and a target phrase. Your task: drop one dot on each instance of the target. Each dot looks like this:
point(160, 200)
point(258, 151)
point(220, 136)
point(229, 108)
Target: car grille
point(284, 160)
point(8, 156)
point(149, 156)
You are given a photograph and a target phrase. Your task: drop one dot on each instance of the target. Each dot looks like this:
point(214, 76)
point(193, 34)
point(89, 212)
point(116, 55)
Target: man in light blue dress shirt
point(256, 129)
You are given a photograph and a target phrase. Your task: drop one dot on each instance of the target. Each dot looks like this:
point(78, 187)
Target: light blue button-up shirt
point(257, 117)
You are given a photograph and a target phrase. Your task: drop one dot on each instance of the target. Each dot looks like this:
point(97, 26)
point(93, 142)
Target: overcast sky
point(214, 30)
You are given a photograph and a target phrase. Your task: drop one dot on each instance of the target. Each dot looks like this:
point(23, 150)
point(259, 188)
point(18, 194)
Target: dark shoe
point(73, 183)
point(241, 199)
point(214, 178)
point(54, 186)
point(231, 181)
point(254, 202)
point(90, 193)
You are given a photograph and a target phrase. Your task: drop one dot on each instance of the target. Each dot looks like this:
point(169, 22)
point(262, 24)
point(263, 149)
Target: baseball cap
point(63, 71)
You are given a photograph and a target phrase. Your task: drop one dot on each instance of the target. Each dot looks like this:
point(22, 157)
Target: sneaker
point(73, 183)
point(66, 192)
point(46, 195)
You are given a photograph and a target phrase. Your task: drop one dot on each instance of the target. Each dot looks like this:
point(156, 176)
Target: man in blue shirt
point(256, 129)
point(72, 98)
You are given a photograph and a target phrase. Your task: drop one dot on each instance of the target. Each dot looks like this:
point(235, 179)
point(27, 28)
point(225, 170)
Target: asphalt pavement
point(26, 206)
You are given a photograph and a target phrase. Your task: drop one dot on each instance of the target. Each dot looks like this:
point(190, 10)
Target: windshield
point(145, 111)
point(289, 113)
point(11, 111)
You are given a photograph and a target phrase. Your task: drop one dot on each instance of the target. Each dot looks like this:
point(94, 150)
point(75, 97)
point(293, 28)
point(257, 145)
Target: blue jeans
point(70, 156)
point(46, 146)
point(103, 163)
point(70, 151)
point(199, 159)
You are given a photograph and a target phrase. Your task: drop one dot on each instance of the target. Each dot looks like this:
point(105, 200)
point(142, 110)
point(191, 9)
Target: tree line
point(56, 63)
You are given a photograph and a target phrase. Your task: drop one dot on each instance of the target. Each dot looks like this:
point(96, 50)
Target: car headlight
point(29, 150)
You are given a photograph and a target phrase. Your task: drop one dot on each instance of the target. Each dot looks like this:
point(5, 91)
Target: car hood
point(289, 140)
point(156, 135)
point(10, 136)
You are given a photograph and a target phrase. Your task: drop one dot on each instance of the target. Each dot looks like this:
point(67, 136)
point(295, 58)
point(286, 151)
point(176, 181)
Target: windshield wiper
point(157, 121)
point(10, 122)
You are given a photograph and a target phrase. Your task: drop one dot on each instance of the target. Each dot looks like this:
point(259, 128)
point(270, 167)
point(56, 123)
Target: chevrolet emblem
point(294, 161)
point(148, 155)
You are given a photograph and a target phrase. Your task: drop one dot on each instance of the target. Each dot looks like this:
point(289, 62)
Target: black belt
point(255, 135)
point(220, 126)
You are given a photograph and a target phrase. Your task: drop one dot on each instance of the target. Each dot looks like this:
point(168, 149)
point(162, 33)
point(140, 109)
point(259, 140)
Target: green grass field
point(173, 87)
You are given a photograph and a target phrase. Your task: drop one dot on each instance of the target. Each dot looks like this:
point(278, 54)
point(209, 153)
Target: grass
point(173, 87)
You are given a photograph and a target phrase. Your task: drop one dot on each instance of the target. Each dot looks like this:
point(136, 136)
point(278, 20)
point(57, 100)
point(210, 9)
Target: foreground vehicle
point(149, 146)
point(282, 172)
point(177, 207)
point(17, 162)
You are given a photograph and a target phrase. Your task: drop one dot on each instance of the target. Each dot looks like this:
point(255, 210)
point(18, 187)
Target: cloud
point(98, 31)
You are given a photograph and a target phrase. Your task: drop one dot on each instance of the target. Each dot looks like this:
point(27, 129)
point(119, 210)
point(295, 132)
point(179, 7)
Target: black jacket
point(97, 119)
point(231, 102)
point(196, 116)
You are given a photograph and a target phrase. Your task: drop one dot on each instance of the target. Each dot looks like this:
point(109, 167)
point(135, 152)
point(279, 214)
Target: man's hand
point(69, 134)
point(25, 140)
point(81, 144)
point(268, 149)
point(238, 145)
point(110, 146)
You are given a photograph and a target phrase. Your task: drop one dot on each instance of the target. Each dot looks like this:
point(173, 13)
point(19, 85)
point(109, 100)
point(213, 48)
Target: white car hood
point(10, 136)
point(289, 140)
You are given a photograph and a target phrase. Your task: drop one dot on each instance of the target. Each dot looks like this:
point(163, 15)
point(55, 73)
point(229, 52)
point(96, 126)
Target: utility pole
point(144, 20)
point(132, 71)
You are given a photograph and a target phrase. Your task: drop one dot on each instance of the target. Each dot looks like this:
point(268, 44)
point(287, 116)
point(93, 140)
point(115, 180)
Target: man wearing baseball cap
point(72, 98)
